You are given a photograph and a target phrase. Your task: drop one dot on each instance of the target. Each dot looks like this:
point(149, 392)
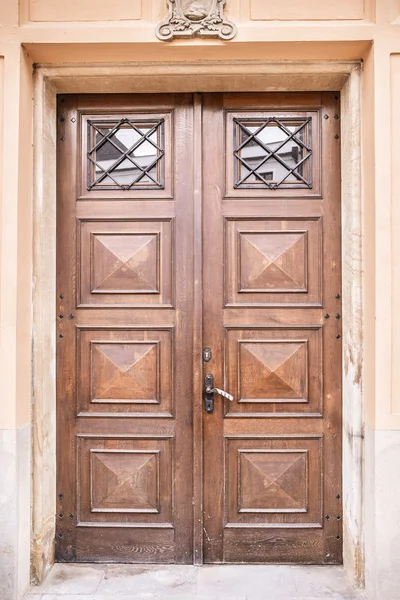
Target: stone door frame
point(207, 76)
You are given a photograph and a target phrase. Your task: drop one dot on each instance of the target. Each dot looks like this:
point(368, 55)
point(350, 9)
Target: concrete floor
point(133, 582)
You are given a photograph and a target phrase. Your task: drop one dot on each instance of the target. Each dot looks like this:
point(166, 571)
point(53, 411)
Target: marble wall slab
point(382, 514)
point(14, 512)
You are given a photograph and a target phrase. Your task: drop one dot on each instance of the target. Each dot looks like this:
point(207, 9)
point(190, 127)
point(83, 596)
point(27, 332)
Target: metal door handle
point(209, 391)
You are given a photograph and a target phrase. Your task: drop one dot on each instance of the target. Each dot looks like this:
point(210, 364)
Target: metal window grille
point(281, 147)
point(125, 155)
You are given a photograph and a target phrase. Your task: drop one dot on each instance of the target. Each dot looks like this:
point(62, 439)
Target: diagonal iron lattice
point(272, 154)
point(104, 136)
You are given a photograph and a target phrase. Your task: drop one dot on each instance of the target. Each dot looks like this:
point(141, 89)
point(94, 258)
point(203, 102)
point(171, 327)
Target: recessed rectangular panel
point(275, 480)
point(273, 262)
point(125, 371)
point(124, 480)
point(85, 10)
point(267, 10)
point(125, 263)
point(274, 371)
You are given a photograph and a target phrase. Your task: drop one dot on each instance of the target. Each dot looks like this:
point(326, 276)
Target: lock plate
point(207, 354)
point(209, 394)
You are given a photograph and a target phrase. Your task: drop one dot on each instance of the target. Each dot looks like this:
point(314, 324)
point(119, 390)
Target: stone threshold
point(210, 582)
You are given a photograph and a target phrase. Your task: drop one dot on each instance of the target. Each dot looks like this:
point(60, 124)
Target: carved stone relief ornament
point(190, 18)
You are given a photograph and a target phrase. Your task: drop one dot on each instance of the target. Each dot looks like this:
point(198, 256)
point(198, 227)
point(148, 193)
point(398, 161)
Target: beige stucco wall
point(15, 257)
point(122, 31)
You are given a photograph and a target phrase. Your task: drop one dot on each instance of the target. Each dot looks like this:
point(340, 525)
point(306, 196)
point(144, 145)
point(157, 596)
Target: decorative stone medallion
point(190, 18)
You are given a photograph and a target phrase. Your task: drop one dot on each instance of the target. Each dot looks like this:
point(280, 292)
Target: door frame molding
point(205, 76)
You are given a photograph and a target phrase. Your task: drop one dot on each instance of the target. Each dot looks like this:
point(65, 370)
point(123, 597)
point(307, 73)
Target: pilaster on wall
point(15, 318)
point(381, 125)
point(15, 237)
point(9, 234)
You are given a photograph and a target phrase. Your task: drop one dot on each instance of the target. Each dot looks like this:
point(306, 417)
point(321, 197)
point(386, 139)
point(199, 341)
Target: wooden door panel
point(295, 546)
point(125, 372)
point(274, 372)
point(125, 263)
point(269, 479)
point(273, 262)
point(124, 329)
point(129, 481)
point(271, 278)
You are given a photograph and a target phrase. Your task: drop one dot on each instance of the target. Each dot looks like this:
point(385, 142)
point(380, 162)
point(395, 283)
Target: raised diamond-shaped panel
point(272, 481)
point(125, 263)
point(272, 371)
point(125, 372)
point(124, 481)
point(273, 262)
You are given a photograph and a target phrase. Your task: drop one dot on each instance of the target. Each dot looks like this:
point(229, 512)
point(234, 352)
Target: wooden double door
point(199, 235)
